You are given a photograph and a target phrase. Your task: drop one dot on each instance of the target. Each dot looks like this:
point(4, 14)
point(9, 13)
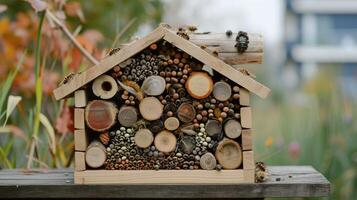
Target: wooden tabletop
point(285, 181)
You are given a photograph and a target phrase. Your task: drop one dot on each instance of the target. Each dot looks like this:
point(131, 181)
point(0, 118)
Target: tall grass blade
point(12, 102)
point(50, 132)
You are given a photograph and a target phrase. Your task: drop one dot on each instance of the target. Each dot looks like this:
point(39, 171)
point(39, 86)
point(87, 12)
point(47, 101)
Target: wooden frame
point(164, 176)
point(245, 174)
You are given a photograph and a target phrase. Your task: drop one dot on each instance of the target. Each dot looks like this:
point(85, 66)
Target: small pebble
point(202, 130)
point(208, 139)
point(202, 125)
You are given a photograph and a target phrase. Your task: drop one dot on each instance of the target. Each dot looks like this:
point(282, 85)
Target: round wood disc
point(153, 85)
point(165, 141)
point(229, 154)
point(100, 115)
point(222, 91)
point(199, 85)
point(172, 123)
point(208, 161)
point(232, 129)
point(186, 112)
point(151, 108)
point(213, 127)
point(95, 155)
point(105, 87)
point(127, 116)
point(143, 138)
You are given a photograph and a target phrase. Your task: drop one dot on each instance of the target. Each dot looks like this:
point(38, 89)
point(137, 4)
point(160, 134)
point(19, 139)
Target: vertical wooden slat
point(246, 117)
point(244, 99)
point(247, 139)
point(80, 98)
point(79, 118)
point(79, 161)
point(80, 140)
point(248, 160)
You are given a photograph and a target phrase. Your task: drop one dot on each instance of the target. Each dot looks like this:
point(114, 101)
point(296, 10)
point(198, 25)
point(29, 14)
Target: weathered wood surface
point(285, 181)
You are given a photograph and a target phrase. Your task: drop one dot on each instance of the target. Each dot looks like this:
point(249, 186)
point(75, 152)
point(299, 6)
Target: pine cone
point(104, 138)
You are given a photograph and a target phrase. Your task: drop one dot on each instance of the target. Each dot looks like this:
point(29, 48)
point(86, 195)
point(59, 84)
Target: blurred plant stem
point(70, 36)
point(38, 80)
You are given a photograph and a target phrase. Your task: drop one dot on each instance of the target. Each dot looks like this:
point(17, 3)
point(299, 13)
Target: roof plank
point(107, 63)
point(217, 64)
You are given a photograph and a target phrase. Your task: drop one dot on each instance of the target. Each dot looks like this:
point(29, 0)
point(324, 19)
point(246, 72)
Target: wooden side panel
point(79, 118)
point(217, 64)
point(80, 140)
point(246, 117)
point(162, 177)
point(248, 160)
point(80, 98)
point(247, 139)
point(79, 161)
point(244, 99)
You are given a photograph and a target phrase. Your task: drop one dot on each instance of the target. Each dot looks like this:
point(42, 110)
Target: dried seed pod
point(104, 138)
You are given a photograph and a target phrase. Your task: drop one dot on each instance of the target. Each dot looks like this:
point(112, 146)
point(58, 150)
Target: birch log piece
point(105, 87)
point(100, 115)
point(143, 138)
point(187, 144)
point(127, 116)
point(232, 129)
point(229, 154)
point(213, 127)
point(95, 154)
point(186, 112)
point(222, 45)
point(188, 129)
point(171, 123)
point(222, 91)
point(151, 108)
point(199, 85)
point(165, 141)
point(208, 161)
point(153, 85)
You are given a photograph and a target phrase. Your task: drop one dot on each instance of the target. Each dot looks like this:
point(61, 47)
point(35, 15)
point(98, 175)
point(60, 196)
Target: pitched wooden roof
point(169, 35)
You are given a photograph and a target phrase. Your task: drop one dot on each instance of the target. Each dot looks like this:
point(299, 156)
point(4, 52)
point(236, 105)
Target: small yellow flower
point(269, 141)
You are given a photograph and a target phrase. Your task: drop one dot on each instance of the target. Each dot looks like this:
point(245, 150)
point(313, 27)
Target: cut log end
point(208, 161)
point(105, 87)
point(127, 116)
point(100, 115)
point(151, 108)
point(143, 138)
point(199, 85)
point(229, 154)
point(165, 141)
point(95, 154)
point(232, 129)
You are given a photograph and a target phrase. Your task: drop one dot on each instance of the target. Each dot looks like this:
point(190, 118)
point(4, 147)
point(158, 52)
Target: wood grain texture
point(295, 181)
point(244, 97)
point(79, 118)
point(248, 160)
point(246, 117)
point(80, 98)
point(80, 140)
point(79, 161)
point(247, 139)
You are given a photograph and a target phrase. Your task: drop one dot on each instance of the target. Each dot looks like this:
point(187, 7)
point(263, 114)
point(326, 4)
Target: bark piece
point(229, 154)
point(199, 85)
point(222, 91)
point(143, 138)
point(187, 144)
point(95, 154)
point(151, 108)
point(127, 116)
point(105, 87)
point(213, 127)
point(186, 112)
point(171, 123)
point(100, 115)
point(208, 161)
point(153, 85)
point(165, 141)
point(232, 129)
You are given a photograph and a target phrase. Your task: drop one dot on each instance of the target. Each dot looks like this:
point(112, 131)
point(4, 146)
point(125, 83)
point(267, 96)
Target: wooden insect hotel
point(167, 108)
